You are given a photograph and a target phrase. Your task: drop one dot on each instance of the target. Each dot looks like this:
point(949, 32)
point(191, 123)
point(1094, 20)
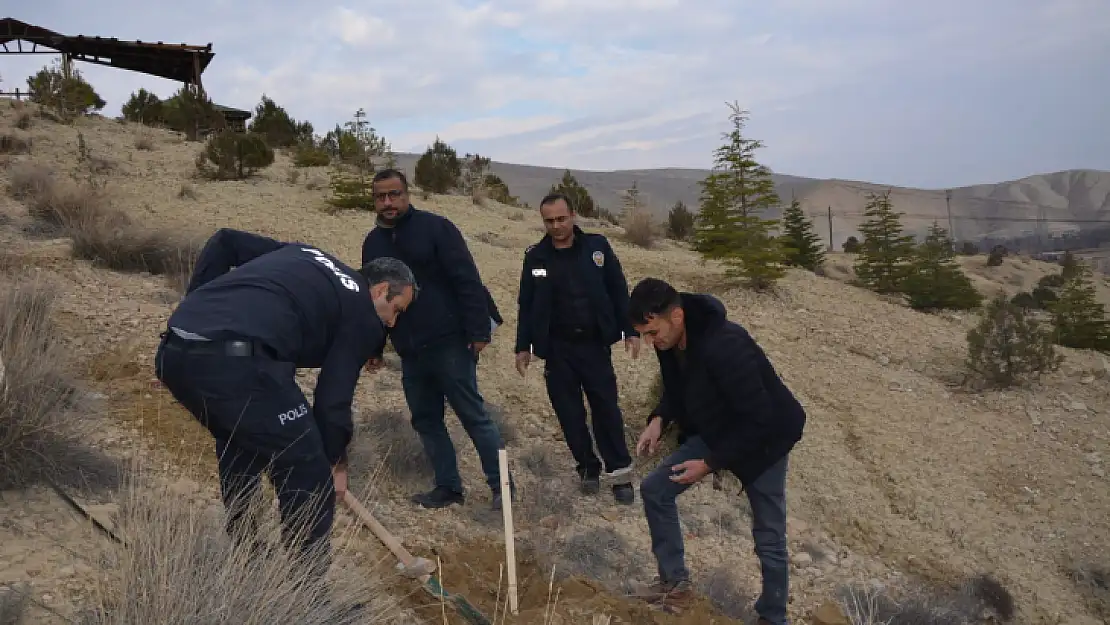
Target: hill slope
point(977, 211)
point(902, 478)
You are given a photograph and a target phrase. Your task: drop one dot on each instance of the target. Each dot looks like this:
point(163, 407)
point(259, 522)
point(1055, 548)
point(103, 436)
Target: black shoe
point(495, 505)
point(624, 493)
point(591, 485)
point(439, 497)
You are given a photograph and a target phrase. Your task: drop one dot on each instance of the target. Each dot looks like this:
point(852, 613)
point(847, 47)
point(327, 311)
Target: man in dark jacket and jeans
point(440, 336)
point(736, 414)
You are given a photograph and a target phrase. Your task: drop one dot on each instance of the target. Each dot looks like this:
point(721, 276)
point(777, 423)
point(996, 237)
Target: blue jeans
point(438, 375)
point(767, 496)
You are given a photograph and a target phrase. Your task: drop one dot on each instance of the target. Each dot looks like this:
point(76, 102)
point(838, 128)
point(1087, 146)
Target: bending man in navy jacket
point(439, 339)
point(230, 356)
point(736, 414)
point(573, 306)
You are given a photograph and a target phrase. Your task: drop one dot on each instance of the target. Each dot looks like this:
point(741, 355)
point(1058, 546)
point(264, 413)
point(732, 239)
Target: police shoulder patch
point(599, 258)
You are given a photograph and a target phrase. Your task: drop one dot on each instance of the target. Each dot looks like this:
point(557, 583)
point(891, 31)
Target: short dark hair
point(392, 271)
point(651, 297)
point(386, 174)
point(555, 196)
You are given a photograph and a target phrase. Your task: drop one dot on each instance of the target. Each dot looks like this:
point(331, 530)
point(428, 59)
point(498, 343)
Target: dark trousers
point(574, 367)
point(767, 496)
point(442, 374)
point(262, 423)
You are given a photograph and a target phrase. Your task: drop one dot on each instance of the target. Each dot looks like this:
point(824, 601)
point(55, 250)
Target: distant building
point(236, 118)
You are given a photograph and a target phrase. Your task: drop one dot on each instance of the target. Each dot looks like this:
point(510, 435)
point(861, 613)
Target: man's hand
point(649, 438)
point(689, 472)
point(478, 346)
point(374, 365)
point(632, 346)
point(522, 361)
point(339, 476)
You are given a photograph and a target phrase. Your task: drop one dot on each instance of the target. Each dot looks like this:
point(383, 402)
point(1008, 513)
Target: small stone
point(830, 614)
point(1087, 379)
point(1098, 471)
point(883, 360)
point(803, 559)
point(611, 515)
point(1077, 406)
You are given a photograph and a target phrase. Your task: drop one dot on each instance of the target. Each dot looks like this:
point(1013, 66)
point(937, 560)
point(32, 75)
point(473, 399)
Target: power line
point(1071, 220)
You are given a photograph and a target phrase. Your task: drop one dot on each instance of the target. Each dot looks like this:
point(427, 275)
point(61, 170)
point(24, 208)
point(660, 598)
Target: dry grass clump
point(508, 429)
point(640, 230)
point(11, 143)
point(722, 589)
point(177, 566)
point(540, 460)
point(100, 233)
point(29, 180)
point(387, 445)
point(975, 599)
point(1093, 581)
point(42, 427)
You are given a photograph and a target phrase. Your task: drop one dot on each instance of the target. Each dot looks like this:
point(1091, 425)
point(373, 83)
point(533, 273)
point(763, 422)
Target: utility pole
point(830, 229)
point(948, 206)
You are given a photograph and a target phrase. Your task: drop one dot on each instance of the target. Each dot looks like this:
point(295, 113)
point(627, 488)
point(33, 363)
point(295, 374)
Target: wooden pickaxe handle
point(379, 530)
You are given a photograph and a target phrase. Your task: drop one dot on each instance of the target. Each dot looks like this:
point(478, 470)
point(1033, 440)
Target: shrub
point(14, 144)
point(934, 281)
point(680, 222)
point(308, 155)
point(973, 601)
point(851, 245)
point(639, 230)
point(438, 169)
point(137, 249)
point(231, 155)
point(1079, 318)
point(29, 180)
point(41, 428)
point(143, 107)
point(997, 253)
point(387, 443)
point(177, 566)
point(60, 208)
point(968, 248)
point(1008, 346)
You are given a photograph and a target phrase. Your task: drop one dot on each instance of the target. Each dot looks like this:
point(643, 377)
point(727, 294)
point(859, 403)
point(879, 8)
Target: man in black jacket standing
point(736, 414)
point(573, 305)
point(230, 355)
point(440, 337)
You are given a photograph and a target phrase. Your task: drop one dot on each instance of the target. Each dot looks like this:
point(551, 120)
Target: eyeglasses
point(392, 194)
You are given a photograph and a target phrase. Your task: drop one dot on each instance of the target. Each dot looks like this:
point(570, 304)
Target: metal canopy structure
point(177, 62)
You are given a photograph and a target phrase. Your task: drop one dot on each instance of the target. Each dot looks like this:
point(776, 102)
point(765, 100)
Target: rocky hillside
point(906, 484)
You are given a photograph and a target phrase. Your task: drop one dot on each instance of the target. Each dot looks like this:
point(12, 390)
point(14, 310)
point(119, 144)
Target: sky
point(903, 92)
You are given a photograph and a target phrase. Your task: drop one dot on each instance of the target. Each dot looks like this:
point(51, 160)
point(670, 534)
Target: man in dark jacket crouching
point(735, 413)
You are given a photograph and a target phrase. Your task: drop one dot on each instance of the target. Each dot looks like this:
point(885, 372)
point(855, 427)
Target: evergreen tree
point(1069, 266)
point(851, 245)
point(631, 203)
point(275, 124)
point(438, 169)
point(802, 243)
point(356, 146)
point(583, 204)
point(884, 252)
point(730, 227)
point(1008, 346)
point(934, 280)
point(1079, 319)
point(680, 222)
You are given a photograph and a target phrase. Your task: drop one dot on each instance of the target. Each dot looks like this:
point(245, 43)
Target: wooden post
point(830, 229)
point(510, 534)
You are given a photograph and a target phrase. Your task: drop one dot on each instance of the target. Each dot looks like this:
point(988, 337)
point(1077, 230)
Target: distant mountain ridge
point(1013, 208)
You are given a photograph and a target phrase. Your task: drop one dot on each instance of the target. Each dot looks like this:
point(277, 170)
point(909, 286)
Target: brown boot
point(679, 598)
point(654, 591)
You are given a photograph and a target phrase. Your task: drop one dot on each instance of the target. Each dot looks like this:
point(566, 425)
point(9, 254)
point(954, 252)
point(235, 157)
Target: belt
point(231, 347)
point(575, 333)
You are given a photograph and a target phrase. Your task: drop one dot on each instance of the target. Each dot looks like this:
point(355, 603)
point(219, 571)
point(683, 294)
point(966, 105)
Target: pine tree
point(631, 203)
point(729, 225)
point(1008, 346)
point(680, 222)
point(438, 169)
point(884, 252)
point(802, 243)
point(1079, 319)
point(934, 280)
point(583, 204)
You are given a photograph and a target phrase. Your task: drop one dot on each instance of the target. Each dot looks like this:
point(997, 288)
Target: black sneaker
point(439, 497)
point(591, 485)
point(625, 494)
point(495, 505)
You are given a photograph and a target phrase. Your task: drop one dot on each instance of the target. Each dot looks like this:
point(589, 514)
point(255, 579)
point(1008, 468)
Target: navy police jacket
point(729, 393)
point(453, 302)
point(605, 282)
point(306, 306)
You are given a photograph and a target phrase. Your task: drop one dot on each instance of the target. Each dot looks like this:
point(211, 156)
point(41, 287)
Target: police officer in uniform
point(230, 355)
point(573, 305)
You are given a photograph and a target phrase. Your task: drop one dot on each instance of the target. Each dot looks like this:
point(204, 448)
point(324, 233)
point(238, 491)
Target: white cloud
point(637, 83)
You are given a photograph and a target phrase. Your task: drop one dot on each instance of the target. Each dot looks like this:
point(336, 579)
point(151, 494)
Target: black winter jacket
point(605, 282)
point(731, 395)
point(452, 301)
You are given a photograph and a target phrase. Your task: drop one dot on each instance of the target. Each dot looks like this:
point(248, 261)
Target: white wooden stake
point(510, 534)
